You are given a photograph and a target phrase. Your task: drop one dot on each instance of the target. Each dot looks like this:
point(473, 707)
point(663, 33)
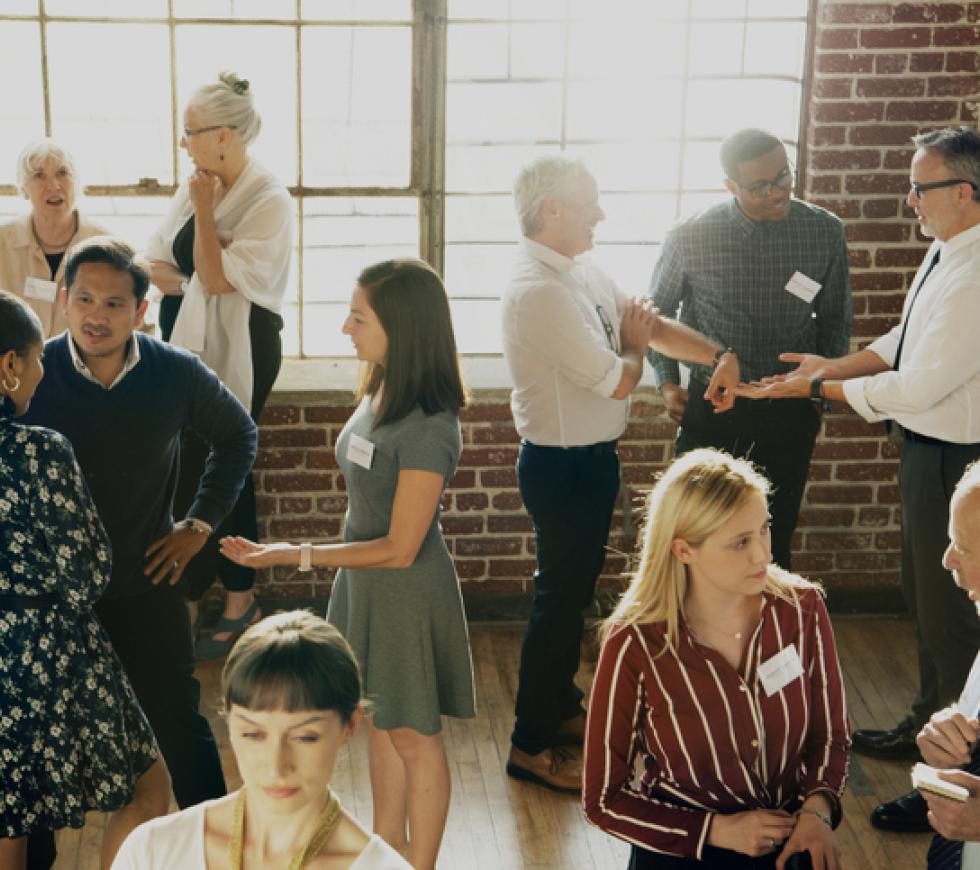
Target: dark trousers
point(152, 635)
point(264, 330)
point(776, 434)
point(947, 628)
point(643, 859)
point(570, 495)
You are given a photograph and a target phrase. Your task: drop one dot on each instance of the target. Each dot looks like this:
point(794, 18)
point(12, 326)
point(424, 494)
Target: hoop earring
point(11, 389)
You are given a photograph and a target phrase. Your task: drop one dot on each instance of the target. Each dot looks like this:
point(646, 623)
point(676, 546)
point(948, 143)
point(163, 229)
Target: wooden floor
point(496, 823)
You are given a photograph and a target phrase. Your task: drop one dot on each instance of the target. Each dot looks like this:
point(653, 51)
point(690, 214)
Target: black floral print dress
point(72, 736)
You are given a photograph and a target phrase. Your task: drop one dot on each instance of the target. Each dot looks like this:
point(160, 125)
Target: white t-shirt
point(178, 841)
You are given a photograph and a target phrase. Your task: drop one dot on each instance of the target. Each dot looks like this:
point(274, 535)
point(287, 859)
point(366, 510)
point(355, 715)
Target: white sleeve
point(135, 852)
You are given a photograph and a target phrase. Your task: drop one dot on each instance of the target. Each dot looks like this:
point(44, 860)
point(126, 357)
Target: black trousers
point(776, 434)
point(152, 635)
point(643, 859)
point(264, 330)
point(570, 495)
point(947, 628)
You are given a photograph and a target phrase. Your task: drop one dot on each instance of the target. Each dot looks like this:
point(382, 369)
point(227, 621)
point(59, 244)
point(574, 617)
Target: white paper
point(969, 702)
point(925, 778)
point(780, 670)
point(360, 451)
point(803, 287)
point(38, 288)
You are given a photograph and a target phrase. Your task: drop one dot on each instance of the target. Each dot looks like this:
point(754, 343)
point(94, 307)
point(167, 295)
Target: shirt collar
point(132, 359)
point(960, 240)
point(749, 226)
point(549, 256)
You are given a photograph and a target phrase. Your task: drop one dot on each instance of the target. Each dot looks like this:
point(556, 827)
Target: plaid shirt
point(727, 275)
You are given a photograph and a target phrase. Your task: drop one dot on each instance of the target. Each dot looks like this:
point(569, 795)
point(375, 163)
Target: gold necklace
point(325, 826)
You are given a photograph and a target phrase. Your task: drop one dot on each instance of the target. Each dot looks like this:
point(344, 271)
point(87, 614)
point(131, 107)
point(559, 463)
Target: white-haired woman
point(719, 680)
point(221, 257)
point(33, 245)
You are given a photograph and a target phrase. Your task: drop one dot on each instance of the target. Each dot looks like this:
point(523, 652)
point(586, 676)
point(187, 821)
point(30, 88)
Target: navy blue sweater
point(127, 442)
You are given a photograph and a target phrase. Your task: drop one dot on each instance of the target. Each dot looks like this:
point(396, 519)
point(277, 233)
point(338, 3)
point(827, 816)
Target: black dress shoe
point(898, 743)
point(904, 815)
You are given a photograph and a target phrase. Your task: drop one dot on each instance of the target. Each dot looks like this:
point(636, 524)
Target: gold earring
point(14, 388)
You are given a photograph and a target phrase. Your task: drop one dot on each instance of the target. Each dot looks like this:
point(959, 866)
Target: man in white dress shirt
point(574, 344)
point(924, 375)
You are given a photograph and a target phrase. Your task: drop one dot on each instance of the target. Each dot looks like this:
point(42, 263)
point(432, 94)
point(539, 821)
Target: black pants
point(152, 635)
point(264, 330)
point(776, 434)
point(570, 495)
point(643, 859)
point(947, 629)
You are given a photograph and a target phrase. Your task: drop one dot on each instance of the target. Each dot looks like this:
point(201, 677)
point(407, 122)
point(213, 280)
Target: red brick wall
point(881, 73)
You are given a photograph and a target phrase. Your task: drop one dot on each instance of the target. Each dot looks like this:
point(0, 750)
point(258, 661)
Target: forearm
point(166, 277)
point(207, 254)
point(854, 365)
point(680, 342)
point(632, 372)
point(384, 552)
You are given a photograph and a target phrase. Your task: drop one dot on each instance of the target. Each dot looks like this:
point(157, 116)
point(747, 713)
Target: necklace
point(325, 826)
point(703, 625)
point(55, 247)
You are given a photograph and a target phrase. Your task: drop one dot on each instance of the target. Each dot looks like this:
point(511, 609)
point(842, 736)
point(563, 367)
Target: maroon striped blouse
point(672, 740)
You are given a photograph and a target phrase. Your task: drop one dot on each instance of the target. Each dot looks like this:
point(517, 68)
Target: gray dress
point(406, 625)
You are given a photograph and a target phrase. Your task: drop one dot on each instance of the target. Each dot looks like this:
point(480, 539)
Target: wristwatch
point(195, 525)
point(184, 282)
point(815, 386)
point(720, 353)
point(306, 557)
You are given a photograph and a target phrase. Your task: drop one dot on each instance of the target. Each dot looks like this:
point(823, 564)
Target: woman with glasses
point(221, 257)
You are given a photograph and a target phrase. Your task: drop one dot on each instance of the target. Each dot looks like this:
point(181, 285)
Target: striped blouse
point(673, 740)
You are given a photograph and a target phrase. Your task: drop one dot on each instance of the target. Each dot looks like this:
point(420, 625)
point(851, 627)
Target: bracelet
point(720, 353)
point(306, 557)
point(817, 813)
point(816, 384)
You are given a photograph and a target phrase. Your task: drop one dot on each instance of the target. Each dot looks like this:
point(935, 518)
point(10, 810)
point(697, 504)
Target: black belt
point(927, 439)
point(12, 601)
point(599, 449)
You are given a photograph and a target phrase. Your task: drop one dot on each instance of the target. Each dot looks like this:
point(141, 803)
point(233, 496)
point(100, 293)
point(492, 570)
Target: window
point(399, 126)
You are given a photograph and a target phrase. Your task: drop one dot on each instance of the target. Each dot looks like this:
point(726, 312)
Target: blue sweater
point(127, 442)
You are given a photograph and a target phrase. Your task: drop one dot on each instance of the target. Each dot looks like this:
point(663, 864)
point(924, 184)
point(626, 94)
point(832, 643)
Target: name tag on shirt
point(360, 451)
point(780, 670)
point(802, 287)
point(969, 702)
point(38, 288)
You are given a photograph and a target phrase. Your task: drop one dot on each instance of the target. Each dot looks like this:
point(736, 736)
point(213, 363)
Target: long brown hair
point(421, 366)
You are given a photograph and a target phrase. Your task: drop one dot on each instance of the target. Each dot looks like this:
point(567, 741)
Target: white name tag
point(360, 451)
point(802, 287)
point(780, 670)
point(38, 288)
point(969, 702)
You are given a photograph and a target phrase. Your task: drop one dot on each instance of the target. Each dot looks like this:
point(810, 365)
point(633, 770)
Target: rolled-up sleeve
point(547, 320)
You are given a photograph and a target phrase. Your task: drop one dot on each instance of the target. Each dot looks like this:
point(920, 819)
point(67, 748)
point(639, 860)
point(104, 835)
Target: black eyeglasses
point(607, 328)
point(919, 189)
point(762, 189)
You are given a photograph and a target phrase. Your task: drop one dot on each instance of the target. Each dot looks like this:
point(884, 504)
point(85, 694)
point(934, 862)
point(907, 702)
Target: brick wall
point(881, 73)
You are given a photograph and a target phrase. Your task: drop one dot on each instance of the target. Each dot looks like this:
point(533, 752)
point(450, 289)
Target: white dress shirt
point(936, 391)
point(561, 322)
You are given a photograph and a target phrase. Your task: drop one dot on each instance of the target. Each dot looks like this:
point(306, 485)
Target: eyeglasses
point(190, 134)
point(607, 328)
point(762, 189)
point(917, 189)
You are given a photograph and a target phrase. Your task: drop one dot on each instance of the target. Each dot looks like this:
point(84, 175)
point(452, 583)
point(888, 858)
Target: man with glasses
point(925, 376)
point(761, 274)
point(574, 345)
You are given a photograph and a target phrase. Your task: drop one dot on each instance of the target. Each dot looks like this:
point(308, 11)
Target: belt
point(13, 601)
point(600, 449)
point(927, 439)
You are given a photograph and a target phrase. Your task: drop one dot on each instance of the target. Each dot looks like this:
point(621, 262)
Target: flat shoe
point(554, 768)
point(207, 647)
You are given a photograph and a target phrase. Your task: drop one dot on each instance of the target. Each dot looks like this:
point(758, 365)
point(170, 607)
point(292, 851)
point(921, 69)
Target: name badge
point(780, 670)
point(38, 288)
point(803, 287)
point(360, 451)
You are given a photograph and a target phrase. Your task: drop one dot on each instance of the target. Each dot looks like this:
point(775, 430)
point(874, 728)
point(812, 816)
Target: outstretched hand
point(248, 554)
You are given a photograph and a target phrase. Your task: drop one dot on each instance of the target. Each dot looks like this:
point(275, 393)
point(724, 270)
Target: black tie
point(908, 314)
point(948, 854)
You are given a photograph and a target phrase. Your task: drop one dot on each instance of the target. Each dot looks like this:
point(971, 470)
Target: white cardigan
point(255, 223)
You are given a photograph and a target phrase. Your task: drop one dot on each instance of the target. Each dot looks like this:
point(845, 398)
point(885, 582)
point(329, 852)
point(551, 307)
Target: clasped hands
point(946, 742)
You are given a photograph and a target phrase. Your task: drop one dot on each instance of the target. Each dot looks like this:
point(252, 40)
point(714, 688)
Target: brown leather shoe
point(572, 731)
point(554, 768)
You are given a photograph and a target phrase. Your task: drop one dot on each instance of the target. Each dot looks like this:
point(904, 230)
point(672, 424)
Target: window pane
point(23, 105)
point(778, 8)
point(517, 112)
point(477, 325)
point(478, 270)
point(774, 48)
point(606, 49)
point(642, 165)
point(715, 108)
point(490, 218)
point(630, 266)
point(266, 56)
point(594, 113)
point(636, 217)
point(496, 9)
point(717, 8)
point(285, 9)
point(537, 50)
point(105, 8)
point(133, 218)
point(118, 124)
point(716, 48)
point(358, 10)
point(357, 106)
point(480, 168)
point(477, 51)
point(702, 165)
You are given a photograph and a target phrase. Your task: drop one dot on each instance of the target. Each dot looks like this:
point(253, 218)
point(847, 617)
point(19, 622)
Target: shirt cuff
point(854, 393)
point(607, 386)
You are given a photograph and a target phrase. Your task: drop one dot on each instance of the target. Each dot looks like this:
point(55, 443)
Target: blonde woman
point(719, 680)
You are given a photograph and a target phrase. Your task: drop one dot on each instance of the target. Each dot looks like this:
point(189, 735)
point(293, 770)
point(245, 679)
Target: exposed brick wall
point(882, 72)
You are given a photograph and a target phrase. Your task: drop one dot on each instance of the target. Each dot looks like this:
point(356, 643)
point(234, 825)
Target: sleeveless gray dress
point(406, 625)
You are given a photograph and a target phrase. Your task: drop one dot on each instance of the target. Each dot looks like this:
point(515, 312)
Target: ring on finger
point(772, 842)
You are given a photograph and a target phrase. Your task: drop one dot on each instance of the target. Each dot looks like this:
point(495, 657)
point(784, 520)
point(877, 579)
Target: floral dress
point(72, 736)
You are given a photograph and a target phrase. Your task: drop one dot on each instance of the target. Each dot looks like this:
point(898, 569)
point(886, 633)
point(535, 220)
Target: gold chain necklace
point(325, 826)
